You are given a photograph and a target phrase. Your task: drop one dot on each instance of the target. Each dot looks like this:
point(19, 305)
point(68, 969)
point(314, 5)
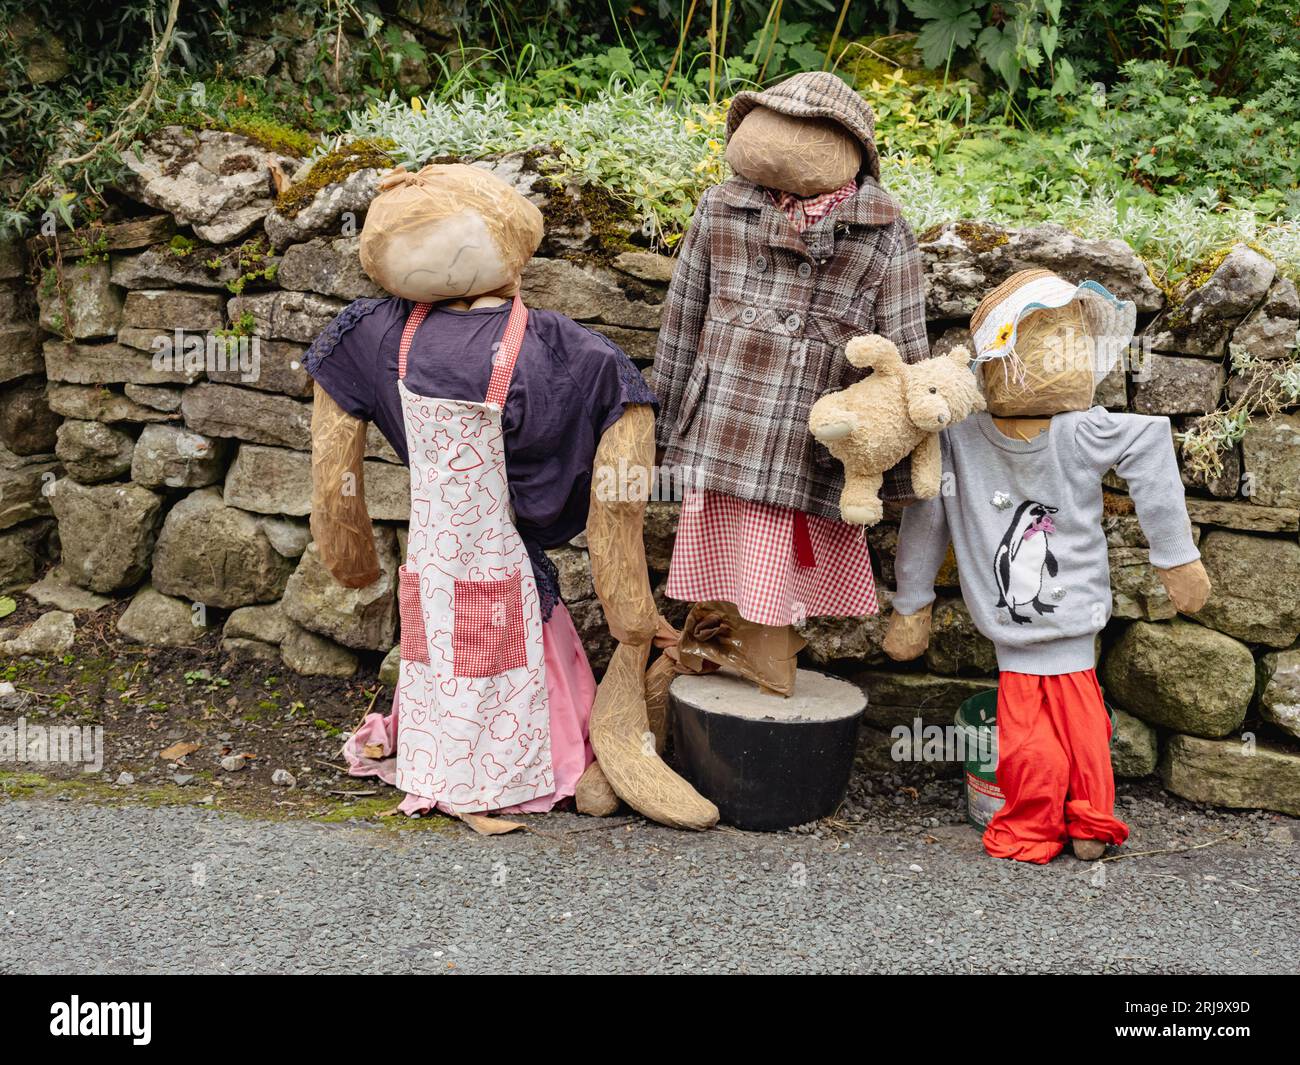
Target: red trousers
point(1053, 767)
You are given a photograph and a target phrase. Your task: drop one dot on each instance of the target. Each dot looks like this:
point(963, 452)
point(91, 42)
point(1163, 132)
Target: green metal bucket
point(975, 719)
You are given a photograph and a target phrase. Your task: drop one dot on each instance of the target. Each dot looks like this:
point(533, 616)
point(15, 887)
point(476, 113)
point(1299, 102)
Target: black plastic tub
point(767, 762)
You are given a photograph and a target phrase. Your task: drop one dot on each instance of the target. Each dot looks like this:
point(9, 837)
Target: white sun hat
point(1110, 320)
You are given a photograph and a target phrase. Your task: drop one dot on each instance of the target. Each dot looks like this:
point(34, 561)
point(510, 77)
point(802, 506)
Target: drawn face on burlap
point(448, 232)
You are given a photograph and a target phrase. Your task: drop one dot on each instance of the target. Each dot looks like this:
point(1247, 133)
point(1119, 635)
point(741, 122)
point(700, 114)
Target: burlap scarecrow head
point(448, 232)
point(808, 135)
point(1043, 344)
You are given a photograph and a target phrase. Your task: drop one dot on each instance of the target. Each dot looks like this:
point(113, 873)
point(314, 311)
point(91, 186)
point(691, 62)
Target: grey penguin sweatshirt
point(1024, 519)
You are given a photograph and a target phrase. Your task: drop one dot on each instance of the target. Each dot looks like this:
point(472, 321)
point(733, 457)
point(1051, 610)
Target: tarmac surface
point(90, 888)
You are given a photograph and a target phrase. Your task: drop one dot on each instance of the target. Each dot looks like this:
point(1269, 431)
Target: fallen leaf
point(177, 751)
point(373, 750)
point(279, 180)
point(490, 826)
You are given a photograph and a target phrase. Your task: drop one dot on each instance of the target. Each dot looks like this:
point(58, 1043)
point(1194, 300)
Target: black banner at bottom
point(141, 1013)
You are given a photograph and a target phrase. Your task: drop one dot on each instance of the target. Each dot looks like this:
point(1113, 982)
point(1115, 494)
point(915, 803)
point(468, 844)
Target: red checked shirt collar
point(804, 211)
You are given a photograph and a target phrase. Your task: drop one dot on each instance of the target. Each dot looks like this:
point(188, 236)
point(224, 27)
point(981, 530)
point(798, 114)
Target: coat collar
point(872, 206)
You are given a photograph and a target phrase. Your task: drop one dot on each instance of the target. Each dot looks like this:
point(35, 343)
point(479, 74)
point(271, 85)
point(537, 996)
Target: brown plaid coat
point(753, 334)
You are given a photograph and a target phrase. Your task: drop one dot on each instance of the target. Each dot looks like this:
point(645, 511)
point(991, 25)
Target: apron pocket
point(488, 635)
point(415, 643)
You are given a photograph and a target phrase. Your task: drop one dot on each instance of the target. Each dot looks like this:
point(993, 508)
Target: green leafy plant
point(652, 156)
point(1271, 387)
point(947, 26)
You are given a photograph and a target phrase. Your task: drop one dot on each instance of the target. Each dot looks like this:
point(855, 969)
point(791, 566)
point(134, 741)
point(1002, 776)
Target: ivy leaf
point(1196, 16)
point(60, 206)
point(1048, 37)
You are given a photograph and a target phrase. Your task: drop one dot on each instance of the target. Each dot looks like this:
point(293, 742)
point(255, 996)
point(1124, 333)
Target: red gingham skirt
point(746, 553)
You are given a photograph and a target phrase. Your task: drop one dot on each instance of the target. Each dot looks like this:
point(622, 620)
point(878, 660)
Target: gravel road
point(105, 889)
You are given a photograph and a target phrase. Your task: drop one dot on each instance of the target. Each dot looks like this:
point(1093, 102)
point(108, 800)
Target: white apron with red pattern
point(473, 725)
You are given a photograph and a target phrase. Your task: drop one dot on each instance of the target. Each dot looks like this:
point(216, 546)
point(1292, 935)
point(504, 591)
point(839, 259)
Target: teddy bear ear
point(960, 355)
point(874, 351)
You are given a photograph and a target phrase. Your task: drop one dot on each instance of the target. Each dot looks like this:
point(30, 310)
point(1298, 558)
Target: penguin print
point(1022, 559)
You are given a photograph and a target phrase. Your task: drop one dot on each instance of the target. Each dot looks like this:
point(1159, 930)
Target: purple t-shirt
point(569, 385)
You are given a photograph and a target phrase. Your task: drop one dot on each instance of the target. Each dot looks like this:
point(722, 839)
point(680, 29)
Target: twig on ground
point(369, 707)
point(1175, 850)
point(603, 824)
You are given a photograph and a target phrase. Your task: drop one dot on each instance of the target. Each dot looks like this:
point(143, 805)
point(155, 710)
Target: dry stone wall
point(186, 486)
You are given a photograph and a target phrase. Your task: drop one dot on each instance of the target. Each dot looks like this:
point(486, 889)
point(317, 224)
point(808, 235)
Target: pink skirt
point(570, 692)
point(777, 565)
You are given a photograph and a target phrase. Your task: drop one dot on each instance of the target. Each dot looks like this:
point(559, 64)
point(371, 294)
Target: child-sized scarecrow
point(785, 262)
point(501, 413)
point(1023, 515)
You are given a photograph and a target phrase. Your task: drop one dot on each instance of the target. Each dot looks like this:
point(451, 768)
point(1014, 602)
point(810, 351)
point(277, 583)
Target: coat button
point(760, 263)
point(748, 315)
point(793, 322)
point(805, 270)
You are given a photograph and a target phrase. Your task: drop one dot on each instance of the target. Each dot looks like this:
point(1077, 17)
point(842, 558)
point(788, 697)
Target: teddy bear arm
point(860, 499)
point(927, 467)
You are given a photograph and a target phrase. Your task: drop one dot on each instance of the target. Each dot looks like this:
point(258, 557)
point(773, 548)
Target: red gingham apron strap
point(413, 320)
point(504, 363)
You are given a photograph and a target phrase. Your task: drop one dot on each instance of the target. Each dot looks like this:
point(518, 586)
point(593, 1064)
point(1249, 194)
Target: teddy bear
point(896, 411)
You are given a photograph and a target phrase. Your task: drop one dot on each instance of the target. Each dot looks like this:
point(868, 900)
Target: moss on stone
point(379, 809)
point(978, 236)
point(332, 810)
point(1199, 274)
point(333, 167)
point(610, 218)
point(272, 136)
point(258, 129)
point(1113, 504)
point(21, 785)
